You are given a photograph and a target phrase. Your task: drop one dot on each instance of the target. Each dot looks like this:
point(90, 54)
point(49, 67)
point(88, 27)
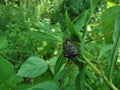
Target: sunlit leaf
point(32, 67)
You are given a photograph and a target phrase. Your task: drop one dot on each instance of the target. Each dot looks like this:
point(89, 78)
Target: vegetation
point(33, 34)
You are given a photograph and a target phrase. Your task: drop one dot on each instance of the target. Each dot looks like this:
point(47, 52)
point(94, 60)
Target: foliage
point(32, 34)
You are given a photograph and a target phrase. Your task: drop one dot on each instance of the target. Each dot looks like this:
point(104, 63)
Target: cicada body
point(69, 49)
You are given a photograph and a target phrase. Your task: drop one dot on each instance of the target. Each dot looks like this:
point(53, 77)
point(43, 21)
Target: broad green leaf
point(3, 42)
point(6, 69)
point(108, 23)
point(60, 61)
point(47, 85)
point(33, 67)
point(114, 53)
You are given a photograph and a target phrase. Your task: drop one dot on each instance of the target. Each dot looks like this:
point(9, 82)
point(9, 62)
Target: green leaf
point(47, 85)
point(60, 61)
point(108, 23)
point(52, 63)
point(6, 69)
point(3, 42)
point(79, 21)
point(32, 67)
point(93, 4)
point(43, 36)
point(114, 53)
point(70, 28)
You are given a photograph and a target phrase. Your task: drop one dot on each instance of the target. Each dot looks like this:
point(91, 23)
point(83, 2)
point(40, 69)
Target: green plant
point(32, 35)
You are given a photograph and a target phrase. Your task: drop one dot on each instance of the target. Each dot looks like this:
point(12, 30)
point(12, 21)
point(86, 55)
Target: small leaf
point(47, 85)
point(33, 67)
point(60, 61)
point(6, 69)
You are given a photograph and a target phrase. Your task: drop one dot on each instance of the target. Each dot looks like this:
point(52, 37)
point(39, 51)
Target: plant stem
point(101, 74)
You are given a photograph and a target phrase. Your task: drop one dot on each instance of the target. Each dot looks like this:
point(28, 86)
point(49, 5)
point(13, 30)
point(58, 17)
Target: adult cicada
point(69, 49)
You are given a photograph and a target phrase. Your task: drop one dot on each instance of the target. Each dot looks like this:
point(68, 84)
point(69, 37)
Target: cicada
point(69, 49)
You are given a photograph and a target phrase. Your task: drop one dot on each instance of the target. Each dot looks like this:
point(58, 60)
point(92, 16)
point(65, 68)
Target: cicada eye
point(69, 49)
